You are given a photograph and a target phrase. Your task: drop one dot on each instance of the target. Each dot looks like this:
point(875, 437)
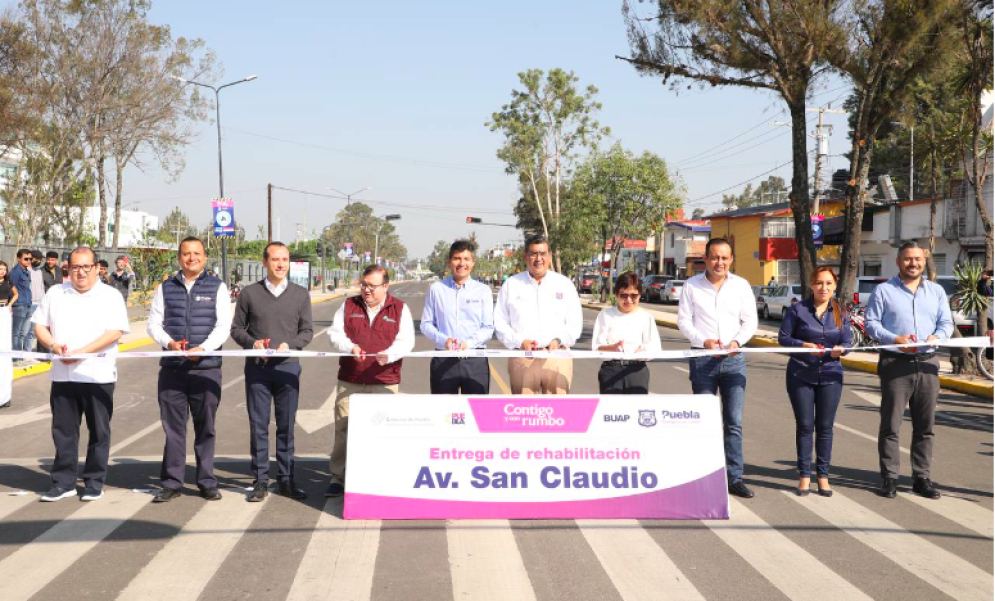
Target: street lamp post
point(221, 176)
point(376, 239)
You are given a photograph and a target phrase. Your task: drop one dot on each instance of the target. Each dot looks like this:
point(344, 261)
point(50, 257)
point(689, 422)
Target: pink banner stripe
point(702, 499)
point(533, 414)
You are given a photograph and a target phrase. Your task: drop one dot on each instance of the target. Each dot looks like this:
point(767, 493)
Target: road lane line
point(637, 566)
point(136, 436)
point(679, 368)
point(500, 382)
point(340, 559)
point(10, 503)
point(190, 559)
point(788, 566)
point(873, 439)
point(965, 512)
point(923, 559)
point(26, 417)
point(232, 383)
point(485, 562)
point(30, 568)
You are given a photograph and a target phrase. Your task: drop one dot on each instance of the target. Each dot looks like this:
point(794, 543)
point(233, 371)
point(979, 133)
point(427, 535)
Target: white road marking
point(34, 565)
point(485, 563)
point(340, 559)
point(864, 435)
point(965, 512)
point(39, 413)
point(136, 436)
point(679, 368)
point(923, 559)
point(312, 420)
point(788, 566)
point(10, 503)
point(187, 563)
point(639, 569)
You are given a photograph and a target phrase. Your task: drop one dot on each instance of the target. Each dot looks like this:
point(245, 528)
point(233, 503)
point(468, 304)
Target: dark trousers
point(184, 393)
point(453, 375)
point(70, 403)
point(281, 383)
point(624, 377)
point(916, 383)
point(815, 409)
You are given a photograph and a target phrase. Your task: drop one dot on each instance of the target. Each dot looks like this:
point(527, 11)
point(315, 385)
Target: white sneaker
point(91, 494)
point(57, 494)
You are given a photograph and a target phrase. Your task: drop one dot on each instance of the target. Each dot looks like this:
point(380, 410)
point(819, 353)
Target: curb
point(130, 345)
point(985, 390)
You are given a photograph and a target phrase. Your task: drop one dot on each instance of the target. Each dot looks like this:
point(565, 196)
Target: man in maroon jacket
point(373, 323)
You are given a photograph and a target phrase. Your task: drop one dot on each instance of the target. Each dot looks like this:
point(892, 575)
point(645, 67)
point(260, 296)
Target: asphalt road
point(853, 545)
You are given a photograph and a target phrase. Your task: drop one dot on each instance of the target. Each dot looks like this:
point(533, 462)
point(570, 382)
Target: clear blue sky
point(402, 90)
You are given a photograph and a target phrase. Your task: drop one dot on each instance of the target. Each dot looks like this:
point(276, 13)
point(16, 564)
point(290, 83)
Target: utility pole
point(269, 213)
point(177, 230)
point(821, 150)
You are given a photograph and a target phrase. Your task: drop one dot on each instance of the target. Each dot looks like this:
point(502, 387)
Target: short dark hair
point(462, 245)
point(910, 244)
point(184, 241)
point(628, 280)
point(103, 263)
point(715, 241)
point(37, 254)
point(371, 269)
point(51, 255)
point(271, 245)
point(534, 240)
point(21, 252)
point(80, 249)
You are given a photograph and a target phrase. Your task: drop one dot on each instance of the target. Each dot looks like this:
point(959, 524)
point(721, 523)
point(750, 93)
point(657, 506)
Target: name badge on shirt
point(559, 296)
point(388, 319)
point(201, 298)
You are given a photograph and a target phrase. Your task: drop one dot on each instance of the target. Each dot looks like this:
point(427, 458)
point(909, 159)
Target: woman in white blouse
point(625, 328)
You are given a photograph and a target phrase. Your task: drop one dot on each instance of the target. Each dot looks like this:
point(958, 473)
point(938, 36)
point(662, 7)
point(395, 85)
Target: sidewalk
point(138, 336)
point(867, 362)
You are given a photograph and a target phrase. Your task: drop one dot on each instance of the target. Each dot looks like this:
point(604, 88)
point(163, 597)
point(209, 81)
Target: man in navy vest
point(190, 312)
point(373, 323)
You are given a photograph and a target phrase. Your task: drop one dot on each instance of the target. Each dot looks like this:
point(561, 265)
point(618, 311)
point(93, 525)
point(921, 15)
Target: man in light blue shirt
point(908, 308)
point(459, 315)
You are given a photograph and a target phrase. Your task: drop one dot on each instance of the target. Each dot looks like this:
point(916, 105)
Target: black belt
point(909, 356)
point(623, 362)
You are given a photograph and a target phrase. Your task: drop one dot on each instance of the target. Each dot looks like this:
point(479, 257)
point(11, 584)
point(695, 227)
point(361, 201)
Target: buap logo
point(647, 417)
point(616, 418)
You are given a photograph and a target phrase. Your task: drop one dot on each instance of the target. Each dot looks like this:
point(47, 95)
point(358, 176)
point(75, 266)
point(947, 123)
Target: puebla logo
point(647, 417)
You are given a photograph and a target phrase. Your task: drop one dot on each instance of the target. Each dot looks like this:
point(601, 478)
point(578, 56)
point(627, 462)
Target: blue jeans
point(815, 408)
point(21, 323)
point(725, 376)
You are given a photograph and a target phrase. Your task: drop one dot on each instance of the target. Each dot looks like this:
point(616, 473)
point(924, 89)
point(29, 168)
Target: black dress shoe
point(740, 490)
point(889, 488)
point(211, 494)
point(924, 488)
point(260, 490)
point(166, 495)
point(335, 489)
point(287, 489)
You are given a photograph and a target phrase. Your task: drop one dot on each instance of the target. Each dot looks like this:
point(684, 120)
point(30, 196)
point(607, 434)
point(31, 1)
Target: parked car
point(780, 299)
point(587, 282)
point(865, 285)
point(652, 285)
point(671, 292)
point(762, 292)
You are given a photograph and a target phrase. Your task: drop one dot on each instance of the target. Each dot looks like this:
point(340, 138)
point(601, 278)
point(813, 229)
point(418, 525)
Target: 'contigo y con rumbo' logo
point(524, 414)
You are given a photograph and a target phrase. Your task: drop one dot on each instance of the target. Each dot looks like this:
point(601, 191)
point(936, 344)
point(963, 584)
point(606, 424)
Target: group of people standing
point(537, 309)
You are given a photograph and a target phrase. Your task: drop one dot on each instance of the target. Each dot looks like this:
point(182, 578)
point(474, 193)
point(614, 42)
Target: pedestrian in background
point(50, 270)
point(538, 310)
point(84, 317)
point(908, 308)
point(20, 276)
point(122, 277)
point(625, 328)
point(815, 382)
point(273, 313)
point(37, 293)
point(459, 315)
point(102, 265)
point(371, 323)
point(190, 312)
point(8, 293)
point(717, 311)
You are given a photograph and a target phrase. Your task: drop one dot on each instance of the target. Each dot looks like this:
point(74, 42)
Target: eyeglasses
point(365, 286)
point(535, 255)
point(83, 268)
point(630, 297)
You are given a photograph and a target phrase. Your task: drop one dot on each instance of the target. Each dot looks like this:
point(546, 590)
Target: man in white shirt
point(538, 310)
point(83, 316)
point(371, 323)
point(191, 311)
point(718, 311)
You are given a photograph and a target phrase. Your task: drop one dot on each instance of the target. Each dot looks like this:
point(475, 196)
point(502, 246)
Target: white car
point(762, 293)
point(780, 299)
point(671, 292)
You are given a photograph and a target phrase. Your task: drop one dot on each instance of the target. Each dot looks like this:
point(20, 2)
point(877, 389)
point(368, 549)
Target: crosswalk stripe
point(864, 435)
point(925, 560)
point(12, 503)
point(136, 436)
point(340, 559)
point(485, 562)
point(33, 566)
point(789, 567)
point(639, 569)
point(196, 552)
point(965, 512)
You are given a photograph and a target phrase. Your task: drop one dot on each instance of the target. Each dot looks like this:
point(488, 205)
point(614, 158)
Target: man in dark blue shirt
point(20, 276)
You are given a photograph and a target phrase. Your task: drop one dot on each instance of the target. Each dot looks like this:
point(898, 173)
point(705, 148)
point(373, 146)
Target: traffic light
point(473, 220)
point(321, 249)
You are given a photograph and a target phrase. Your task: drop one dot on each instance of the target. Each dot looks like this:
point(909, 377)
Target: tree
point(626, 196)
point(698, 213)
point(770, 191)
point(892, 43)
point(438, 261)
point(356, 223)
point(775, 45)
point(175, 227)
point(545, 125)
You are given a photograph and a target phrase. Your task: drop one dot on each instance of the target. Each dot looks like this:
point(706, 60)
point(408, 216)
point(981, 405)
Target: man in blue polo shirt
point(908, 308)
point(458, 316)
point(20, 277)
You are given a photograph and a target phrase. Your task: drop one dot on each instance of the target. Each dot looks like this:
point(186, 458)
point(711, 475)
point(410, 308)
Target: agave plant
point(968, 298)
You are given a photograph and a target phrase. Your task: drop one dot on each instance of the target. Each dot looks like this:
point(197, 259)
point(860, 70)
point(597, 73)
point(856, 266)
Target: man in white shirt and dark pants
point(82, 316)
point(191, 311)
point(718, 311)
point(538, 310)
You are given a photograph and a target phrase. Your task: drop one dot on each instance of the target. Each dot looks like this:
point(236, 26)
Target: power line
point(395, 204)
point(742, 183)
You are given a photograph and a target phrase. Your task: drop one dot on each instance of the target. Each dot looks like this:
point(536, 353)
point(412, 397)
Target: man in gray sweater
point(273, 313)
